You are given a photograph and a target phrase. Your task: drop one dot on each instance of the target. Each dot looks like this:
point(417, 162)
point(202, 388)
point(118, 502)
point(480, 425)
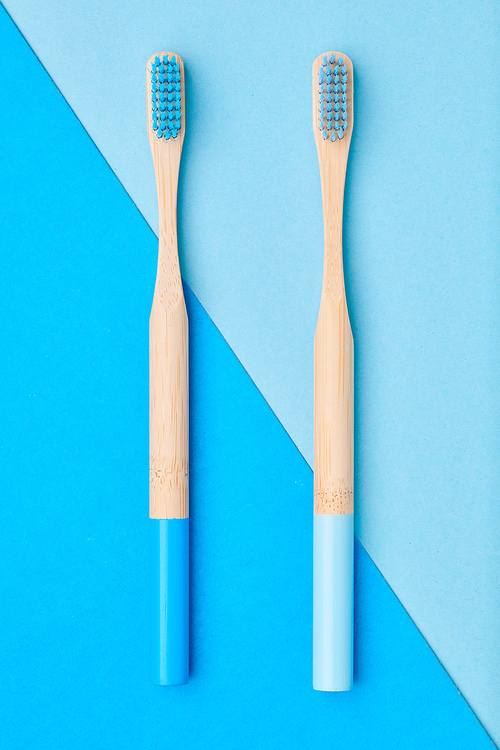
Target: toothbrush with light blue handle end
point(168, 389)
point(333, 392)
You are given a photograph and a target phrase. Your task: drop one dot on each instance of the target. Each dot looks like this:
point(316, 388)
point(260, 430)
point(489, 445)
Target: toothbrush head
point(332, 98)
point(166, 101)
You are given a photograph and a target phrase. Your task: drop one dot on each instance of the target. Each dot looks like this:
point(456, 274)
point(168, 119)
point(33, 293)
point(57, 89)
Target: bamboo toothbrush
point(333, 391)
point(168, 389)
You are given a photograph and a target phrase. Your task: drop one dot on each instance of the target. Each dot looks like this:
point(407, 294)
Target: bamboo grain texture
point(168, 339)
point(333, 342)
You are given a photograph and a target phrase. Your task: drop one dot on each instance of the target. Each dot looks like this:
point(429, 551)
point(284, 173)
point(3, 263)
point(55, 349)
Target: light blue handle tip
point(333, 601)
point(169, 601)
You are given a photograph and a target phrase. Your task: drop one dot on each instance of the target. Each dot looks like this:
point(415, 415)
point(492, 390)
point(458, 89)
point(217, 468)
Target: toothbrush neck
point(167, 177)
point(167, 247)
point(168, 276)
point(332, 183)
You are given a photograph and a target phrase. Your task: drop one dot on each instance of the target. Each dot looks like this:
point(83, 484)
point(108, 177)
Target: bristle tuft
point(332, 100)
point(166, 104)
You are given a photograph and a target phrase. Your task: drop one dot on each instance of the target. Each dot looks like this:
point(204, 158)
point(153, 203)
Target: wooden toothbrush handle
point(333, 408)
point(168, 407)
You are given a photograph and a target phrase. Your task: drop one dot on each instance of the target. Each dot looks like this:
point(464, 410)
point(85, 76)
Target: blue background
point(79, 264)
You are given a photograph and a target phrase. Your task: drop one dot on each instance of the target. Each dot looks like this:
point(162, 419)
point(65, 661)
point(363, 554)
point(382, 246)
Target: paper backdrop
point(419, 239)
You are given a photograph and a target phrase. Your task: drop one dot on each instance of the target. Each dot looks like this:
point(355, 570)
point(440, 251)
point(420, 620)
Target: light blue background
point(419, 237)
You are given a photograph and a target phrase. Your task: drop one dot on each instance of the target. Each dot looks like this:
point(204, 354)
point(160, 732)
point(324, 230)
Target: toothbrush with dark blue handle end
point(168, 389)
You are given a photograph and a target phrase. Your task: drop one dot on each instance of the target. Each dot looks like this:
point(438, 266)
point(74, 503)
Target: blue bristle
point(166, 95)
point(332, 77)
